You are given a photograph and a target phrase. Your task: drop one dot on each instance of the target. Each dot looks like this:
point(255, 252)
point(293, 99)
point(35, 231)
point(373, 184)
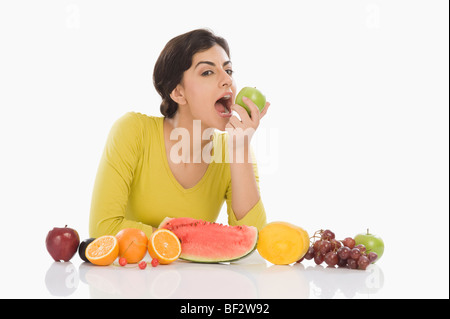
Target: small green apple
point(372, 243)
point(253, 94)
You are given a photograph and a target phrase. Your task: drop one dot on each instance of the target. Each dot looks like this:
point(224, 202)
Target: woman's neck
point(189, 137)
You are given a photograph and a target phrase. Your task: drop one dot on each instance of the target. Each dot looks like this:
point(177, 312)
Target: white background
point(356, 137)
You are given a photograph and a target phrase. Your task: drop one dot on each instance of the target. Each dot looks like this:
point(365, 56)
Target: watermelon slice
point(208, 242)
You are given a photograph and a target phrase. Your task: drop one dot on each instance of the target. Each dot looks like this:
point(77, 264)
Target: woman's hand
point(244, 187)
point(247, 121)
point(241, 131)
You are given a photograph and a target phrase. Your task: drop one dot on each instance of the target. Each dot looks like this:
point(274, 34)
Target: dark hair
point(175, 58)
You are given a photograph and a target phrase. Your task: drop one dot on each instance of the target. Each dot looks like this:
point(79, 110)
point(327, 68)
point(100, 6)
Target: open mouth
point(223, 106)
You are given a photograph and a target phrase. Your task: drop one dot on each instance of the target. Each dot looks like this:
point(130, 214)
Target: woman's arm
point(255, 215)
point(114, 178)
point(244, 184)
point(245, 193)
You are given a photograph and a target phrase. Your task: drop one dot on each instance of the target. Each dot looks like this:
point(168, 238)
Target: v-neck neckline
point(169, 171)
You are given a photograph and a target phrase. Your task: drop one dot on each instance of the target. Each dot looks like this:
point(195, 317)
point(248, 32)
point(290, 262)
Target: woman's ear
point(177, 95)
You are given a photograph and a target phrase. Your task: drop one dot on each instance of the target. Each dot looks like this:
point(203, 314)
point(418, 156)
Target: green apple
point(253, 94)
point(372, 243)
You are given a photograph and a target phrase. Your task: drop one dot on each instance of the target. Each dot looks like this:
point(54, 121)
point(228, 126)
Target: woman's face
point(208, 88)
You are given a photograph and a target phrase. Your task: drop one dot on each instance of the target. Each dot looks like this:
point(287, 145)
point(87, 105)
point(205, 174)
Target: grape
point(328, 235)
point(363, 262)
point(344, 252)
point(352, 264)
point(355, 253)
point(372, 256)
point(316, 245)
point(318, 258)
point(342, 262)
point(325, 246)
point(361, 248)
point(335, 244)
point(331, 258)
point(349, 242)
point(310, 254)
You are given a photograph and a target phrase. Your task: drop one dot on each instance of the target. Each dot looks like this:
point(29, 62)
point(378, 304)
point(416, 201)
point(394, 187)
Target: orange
point(132, 244)
point(164, 246)
point(103, 251)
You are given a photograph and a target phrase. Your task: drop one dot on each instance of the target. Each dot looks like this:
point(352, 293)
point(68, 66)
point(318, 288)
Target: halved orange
point(103, 251)
point(165, 246)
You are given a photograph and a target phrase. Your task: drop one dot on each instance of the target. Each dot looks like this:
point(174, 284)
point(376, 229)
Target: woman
point(143, 178)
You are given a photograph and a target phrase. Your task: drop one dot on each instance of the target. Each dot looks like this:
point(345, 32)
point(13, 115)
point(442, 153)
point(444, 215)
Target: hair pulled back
point(176, 58)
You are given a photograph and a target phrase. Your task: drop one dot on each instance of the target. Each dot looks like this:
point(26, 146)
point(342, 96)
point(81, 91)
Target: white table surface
point(251, 277)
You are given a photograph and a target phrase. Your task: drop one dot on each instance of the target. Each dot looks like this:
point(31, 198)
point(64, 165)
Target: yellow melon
point(282, 243)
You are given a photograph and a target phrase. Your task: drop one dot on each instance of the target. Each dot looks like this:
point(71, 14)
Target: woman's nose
point(225, 80)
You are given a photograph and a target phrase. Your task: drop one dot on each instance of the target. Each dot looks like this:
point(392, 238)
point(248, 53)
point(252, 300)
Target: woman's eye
point(209, 72)
point(206, 73)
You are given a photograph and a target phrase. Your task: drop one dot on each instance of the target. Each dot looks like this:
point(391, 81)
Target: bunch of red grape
point(325, 248)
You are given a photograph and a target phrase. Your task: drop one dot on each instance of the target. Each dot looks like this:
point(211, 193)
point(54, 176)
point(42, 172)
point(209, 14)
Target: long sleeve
point(114, 177)
point(256, 216)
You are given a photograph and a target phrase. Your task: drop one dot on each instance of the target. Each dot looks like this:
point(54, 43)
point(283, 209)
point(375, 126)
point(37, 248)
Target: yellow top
point(135, 187)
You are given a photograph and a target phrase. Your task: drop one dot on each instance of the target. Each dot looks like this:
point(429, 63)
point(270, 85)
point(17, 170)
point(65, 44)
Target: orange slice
point(103, 251)
point(164, 246)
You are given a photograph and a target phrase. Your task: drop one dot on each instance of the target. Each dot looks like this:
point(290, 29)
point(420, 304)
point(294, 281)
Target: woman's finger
point(254, 110)
point(234, 121)
point(240, 111)
point(264, 111)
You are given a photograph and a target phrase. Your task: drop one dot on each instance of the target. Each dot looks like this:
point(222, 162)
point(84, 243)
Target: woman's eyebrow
point(211, 63)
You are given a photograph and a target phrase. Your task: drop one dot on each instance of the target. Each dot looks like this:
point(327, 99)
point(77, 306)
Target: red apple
point(62, 243)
